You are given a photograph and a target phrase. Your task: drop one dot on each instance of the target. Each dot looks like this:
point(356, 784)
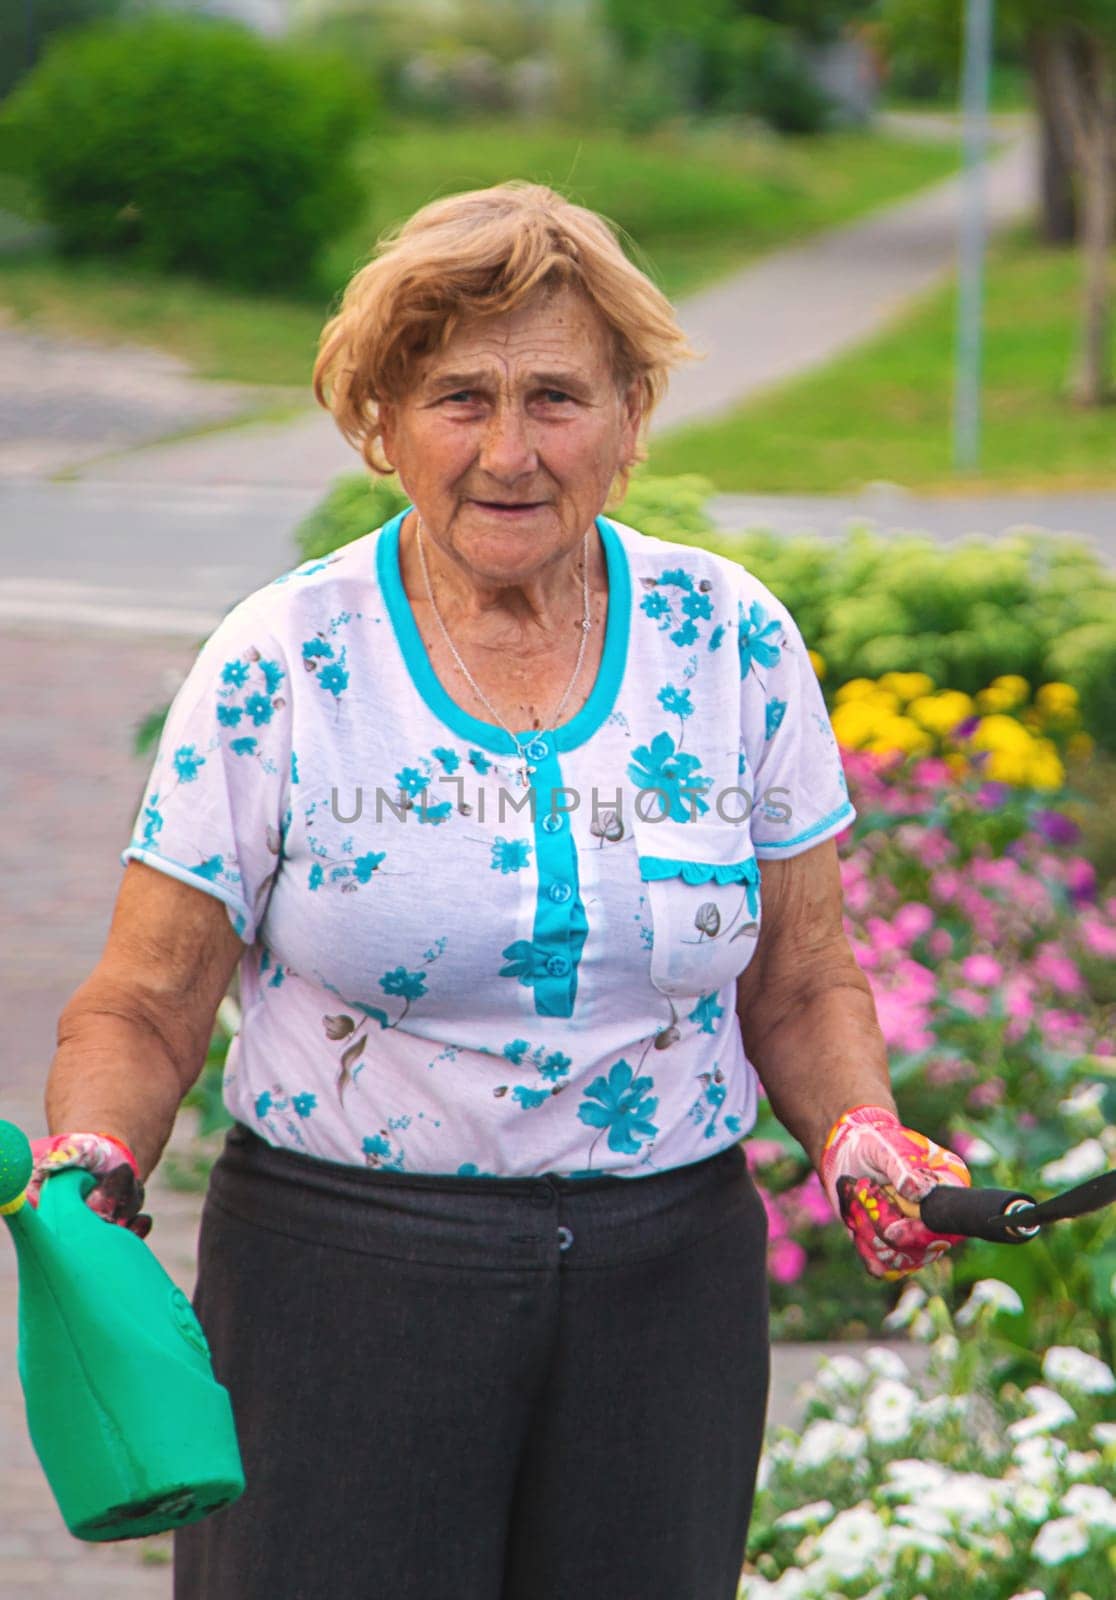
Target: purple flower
point(1057, 827)
point(993, 794)
point(966, 729)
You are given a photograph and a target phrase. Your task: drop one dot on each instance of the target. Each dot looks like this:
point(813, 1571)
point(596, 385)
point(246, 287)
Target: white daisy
point(886, 1363)
point(909, 1302)
point(816, 1512)
point(853, 1542)
point(1060, 1541)
point(1094, 1505)
point(915, 1477)
point(993, 1293)
point(823, 1441)
point(840, 1372)
point(889, 1411)
point(1049, 1411)
point(1085, 1160)
point(1105, 1434)
point(1065, 1364)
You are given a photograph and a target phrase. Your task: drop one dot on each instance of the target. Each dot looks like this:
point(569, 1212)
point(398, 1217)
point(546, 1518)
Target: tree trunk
point(1082, 77)
point(1057, 219)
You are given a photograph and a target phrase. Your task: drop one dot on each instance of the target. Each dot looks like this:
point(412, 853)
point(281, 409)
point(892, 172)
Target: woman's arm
point(806, 1011)
point(133, 1038)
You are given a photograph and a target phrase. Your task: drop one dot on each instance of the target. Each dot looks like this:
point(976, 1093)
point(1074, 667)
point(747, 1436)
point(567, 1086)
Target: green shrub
point(756, 70)
point(192, 145)
point(354, 506)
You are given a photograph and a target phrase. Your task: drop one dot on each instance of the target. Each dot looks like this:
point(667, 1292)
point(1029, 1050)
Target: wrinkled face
point(511, 435)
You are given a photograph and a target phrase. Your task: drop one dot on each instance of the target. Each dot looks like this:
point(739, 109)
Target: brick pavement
point(69, 790)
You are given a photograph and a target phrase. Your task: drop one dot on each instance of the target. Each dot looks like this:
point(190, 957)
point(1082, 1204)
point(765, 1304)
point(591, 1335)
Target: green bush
point(191, 145)
point(755, 70)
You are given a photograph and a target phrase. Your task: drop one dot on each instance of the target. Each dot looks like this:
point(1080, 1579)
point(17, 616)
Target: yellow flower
point(957, 763)
point(942, 711)
point(855, 689)
point(817, 662)
point(1002, 734)
point(1045, 770)
point(854, 722)
point(1012, 683)
point(900, 733)
point(993, 699)
point(1057, 699)
point(1008, 766)
point(907, 685)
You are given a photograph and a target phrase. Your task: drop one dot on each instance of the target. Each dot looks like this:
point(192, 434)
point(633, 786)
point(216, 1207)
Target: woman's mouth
point(517, 508)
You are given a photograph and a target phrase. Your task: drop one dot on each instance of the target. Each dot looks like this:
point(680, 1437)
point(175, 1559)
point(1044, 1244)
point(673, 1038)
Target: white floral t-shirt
point(454, 967)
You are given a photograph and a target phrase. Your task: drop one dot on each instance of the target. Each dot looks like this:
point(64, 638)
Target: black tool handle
point(979, 1213)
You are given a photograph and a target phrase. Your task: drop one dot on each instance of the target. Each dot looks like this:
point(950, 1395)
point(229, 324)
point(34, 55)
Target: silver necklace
point(525, 768)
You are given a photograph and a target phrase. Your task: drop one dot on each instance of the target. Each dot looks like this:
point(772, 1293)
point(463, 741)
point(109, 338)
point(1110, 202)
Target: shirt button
point(559, 893)
point(538, 750)
point(553, 822)
point(557, 966)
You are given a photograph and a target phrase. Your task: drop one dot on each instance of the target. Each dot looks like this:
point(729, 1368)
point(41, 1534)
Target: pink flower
point(1081, 879)
point(970, 1000)
point(1097, 936)
point(940, 943)
point(944, 884)
point(912, 920)
point(981, 969)
point(1019, 997)
point(1064, 1028)
point(1053, 966)
point(962, 1143)
point(812, 1201)
point(786, 1260)
point(762, 1152)
point(986, 1095)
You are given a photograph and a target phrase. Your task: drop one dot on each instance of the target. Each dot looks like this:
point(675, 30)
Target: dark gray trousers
point(481, 1388)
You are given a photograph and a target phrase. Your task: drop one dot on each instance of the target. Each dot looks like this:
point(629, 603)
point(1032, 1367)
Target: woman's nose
point(507, 449)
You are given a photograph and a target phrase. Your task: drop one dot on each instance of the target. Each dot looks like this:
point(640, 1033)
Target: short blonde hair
point(478, 254)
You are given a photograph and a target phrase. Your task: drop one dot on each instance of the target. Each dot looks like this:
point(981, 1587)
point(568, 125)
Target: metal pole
point(977, 66)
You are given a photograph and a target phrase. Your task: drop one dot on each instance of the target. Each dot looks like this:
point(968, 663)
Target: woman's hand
point(117, 1196)
point(875, 1172)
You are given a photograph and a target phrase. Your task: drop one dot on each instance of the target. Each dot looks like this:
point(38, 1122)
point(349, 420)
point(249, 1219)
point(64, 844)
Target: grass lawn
point(698, 202)
point(884, 410)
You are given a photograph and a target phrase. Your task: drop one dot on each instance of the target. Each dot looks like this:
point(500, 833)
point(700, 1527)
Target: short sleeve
point(213, 810)
point(799, 792)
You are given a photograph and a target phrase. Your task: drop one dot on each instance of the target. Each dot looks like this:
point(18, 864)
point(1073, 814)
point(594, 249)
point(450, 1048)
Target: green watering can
point(133, 1431)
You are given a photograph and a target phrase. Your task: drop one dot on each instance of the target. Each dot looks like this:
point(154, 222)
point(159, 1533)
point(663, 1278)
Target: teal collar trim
point(487, 734)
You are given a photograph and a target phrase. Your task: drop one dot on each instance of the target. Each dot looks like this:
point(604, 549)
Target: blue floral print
point(244, 747)
point(408, 985)
point(774, 712)
point(187, 763)
point(676, 701)
point(411, 781)
point(757, 635)
point(510, 855)
point(449, 759)
point(706, 1012)
point(662, 766)
point(304, 1104)
point(621, 1104)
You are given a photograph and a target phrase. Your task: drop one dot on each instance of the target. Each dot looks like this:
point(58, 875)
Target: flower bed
point(994, 1487)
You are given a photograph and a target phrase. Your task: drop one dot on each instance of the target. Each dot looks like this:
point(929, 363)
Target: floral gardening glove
point(118, 1193)
point(875, 1172)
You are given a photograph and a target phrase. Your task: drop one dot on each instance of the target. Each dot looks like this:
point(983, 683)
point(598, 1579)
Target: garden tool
point(134, 1433)
point(1003, 1216)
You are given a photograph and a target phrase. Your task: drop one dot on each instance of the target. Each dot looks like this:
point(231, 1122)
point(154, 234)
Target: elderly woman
point(519, 826)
